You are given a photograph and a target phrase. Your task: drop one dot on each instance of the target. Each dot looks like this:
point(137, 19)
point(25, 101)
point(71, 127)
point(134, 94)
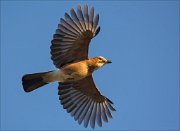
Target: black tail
point(31, 82)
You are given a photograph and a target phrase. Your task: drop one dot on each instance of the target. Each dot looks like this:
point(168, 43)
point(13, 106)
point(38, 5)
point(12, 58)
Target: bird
point(78, 93)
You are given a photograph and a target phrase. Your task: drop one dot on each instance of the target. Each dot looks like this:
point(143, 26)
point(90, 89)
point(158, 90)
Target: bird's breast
point(74, 71)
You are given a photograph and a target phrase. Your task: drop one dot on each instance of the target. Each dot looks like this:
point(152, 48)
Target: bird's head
point(100, 61)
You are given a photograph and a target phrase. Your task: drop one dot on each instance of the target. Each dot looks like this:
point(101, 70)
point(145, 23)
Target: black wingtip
point(109, 100)
point(97, 31)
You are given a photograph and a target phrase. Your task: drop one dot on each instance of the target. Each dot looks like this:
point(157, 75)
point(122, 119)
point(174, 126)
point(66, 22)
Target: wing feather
point(77, 31)
point(72, 23)
point(81, 18)
point(104, 117)
point(91, 16)
point(66, 30)
point(64, 34)
point(85, 102)
point(98, 114)
point(86, 17)
point(93, 116)
point(85, 110)
point(68, 26)
point(79, 111)
point(107, 110)
point(75, 19)
point(88, 114)
point(95, 23)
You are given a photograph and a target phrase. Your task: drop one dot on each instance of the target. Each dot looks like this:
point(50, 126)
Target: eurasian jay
point(69, 50)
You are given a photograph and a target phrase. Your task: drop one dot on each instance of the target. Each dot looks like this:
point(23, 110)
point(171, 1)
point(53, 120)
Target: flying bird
point(69, 52)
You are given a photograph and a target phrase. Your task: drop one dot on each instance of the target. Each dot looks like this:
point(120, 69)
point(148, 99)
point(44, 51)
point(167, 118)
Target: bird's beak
point(108, 61)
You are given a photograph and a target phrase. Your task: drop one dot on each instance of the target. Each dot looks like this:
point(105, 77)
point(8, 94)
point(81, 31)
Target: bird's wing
point(71, 41)
point(84, 102)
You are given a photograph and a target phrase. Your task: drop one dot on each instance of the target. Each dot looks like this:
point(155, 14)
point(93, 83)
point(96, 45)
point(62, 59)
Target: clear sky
point(140, 37)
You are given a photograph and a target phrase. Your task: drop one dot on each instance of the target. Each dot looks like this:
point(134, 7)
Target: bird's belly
point(72, 76)
point(73, 72)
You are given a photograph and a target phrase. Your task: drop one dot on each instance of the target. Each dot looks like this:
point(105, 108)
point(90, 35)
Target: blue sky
point(140, 37)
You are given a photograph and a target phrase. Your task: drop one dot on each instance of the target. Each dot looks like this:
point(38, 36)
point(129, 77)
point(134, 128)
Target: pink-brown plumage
point(69, 51)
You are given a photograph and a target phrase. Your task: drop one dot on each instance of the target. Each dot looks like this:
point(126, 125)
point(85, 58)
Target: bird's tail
point(31, 82)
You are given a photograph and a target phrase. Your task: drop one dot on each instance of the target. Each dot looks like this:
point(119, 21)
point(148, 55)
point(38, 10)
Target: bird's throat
point(92, 66)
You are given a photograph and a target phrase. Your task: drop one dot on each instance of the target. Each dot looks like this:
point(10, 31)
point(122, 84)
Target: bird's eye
point(101, 60)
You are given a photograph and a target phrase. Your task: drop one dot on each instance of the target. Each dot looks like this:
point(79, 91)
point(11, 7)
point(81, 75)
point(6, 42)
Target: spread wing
point(71, 41)
point(84, 102)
